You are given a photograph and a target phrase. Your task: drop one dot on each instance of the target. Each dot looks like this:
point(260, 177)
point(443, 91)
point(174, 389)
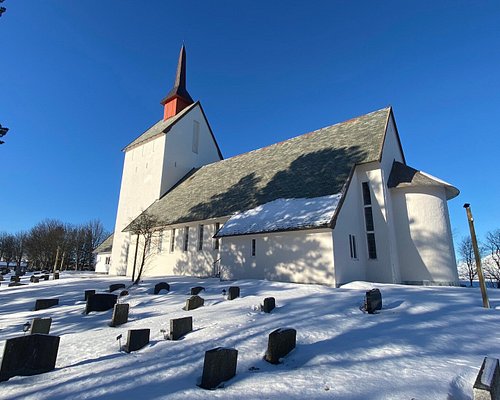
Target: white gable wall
point(101, 267)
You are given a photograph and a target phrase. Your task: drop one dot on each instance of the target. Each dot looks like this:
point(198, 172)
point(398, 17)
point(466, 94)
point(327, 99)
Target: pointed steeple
point(178, 98)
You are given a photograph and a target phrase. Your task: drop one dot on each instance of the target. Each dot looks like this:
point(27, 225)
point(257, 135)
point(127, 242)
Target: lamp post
point(482, 285)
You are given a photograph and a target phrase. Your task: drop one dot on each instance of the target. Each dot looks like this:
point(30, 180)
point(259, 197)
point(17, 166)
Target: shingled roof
point(105, 247)
point(311, 165)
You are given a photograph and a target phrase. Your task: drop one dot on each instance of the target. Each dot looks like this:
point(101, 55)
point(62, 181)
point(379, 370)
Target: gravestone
point(373, 301)
point(281, 342)
point(56, 275)
point(40, 325)
point(219, 366)
point(33, 278)
point(196, 290)
point(88, 293)
point(1, 277)
point(193, 302)
point(233, 292)
point(161, 286)
point(120, 315)
point(45, 277)
point(179, 327)
point(269, 304)
point(29, 355)
point(15, 278)
point(124, 293)
point(116, 286)
point(17, 284)
point(42, 304)
point(487, 385)
point(100, 302)
point(136, 339)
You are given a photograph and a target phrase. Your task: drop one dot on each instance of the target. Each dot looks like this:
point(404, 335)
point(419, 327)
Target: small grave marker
point(40, 325)
point(281, 342)
point(124, 293)
point(196, 290)
point(136, 339)
point(100, 302)
point(179, 327)
point(116, 286)
point(56, 275)
point(219, 366)
point(88, 293)
point(15, 278)
point(193, 302)
point(34, 278)
point(269, 304)
point(373, 301)
point(161, 286)
point(1, 277)
point(487, 385)
point(29, 355)
point(120, 315)
point(42, 304)
point(45, 277)
point(233, 292)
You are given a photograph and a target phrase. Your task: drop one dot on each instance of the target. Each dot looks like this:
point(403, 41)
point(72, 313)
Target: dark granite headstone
point(116, 286)
point(45, 277)
point(373, 301)
point(1, 277)
point(120, 315)
point(193, 302)
point(269, 304)
point(281, 342)
point(29, 355)
point(196, 290)
point(487, 385)
point(233, 292)
point(42, 304)
point(124, 293)
point(219, 366)
point(15, 278)
point(40, 325)
point(136, 339)
point(179, 327)
point(34, 278)
point(88, 293)
point(56, 275)
point(161, 286)
point(100, 302)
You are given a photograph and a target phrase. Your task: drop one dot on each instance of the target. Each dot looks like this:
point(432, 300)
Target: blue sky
point(81, 79)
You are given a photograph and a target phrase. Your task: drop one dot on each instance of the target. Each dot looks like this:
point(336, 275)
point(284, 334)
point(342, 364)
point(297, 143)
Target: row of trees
point(52, 243)
point(490, 258)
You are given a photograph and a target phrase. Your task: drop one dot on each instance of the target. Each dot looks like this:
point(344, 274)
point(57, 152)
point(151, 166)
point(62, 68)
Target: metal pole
point(482, 285)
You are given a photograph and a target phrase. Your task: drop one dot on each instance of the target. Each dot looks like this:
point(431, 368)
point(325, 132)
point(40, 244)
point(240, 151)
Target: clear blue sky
point(80, 79)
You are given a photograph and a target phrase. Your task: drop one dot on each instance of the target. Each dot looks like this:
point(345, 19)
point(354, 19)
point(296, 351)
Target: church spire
point(178, 98)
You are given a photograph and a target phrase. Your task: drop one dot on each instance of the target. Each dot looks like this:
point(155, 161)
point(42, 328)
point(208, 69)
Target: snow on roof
point(283, 214)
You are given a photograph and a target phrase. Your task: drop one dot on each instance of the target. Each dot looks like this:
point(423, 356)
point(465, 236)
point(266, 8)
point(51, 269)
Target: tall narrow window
point(186, 238)
point(253, 247)
point(369, 225)
point(352, 247)
point(216, 240)
point(172, 240)
point(160, 241)
point(200, 237)
point(196, 136)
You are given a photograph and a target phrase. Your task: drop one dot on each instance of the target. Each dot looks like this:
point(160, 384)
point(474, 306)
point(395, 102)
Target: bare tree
point(8, 249)
point(19, 251)
point(144, 227)
point(492, 264)
point(467, 268)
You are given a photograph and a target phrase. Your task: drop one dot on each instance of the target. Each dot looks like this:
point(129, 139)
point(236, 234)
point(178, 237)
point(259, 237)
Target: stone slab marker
point(116, 286)
point(42, 304)
point(196, 290)
point(233, 292)
point(15, 278)
point(193, 302)
point(179, 327)
point(120, 315)
point(487, 385)
point(161, 286)
point(219, 366)
point(29, 355)
point(373, 301)
point(281, 342)
point(40, 325)
point(136, 339)
point(56, 275)
point(269, 304)
point(100, 302)
point(45, 277)
point(88, 293)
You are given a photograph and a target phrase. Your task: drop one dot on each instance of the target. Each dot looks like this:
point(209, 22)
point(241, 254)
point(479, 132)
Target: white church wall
point(424, 235)
point(301, 256)
point(102, 263)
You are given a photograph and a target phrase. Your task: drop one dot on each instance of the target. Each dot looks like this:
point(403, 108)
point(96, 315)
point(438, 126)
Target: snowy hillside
point(426, 343)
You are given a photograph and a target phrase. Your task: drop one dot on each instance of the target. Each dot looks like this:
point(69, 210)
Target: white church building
point(331, 206)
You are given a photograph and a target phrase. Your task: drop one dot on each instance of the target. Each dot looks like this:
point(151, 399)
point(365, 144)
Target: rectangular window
point(216, 241)
point(352, 246)
point(196, 136)
point(108, 260)
point(367, 198)
point(200, 237)
point(172, 241)
point(253, 247)
point(369, 224)
point(369, 219)
point(160, 241)
point(186, 238)
point(372, 248)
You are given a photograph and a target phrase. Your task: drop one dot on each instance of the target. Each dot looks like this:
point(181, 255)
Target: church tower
point(158, 159)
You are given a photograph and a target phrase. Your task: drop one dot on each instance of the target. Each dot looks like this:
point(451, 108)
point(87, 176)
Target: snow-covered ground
point(426, 343)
